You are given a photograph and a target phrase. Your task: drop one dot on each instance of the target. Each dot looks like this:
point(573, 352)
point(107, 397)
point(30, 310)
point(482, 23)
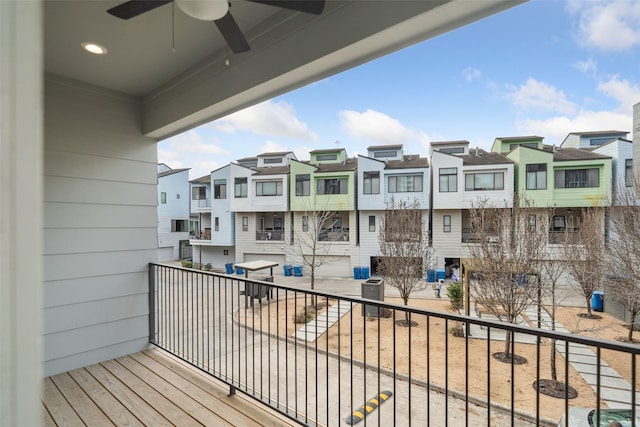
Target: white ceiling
point(176, 64)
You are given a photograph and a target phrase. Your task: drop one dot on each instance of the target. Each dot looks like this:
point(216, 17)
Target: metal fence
point(342, 365)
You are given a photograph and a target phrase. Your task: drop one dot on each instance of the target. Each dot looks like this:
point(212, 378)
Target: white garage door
point(336, 266)
point(280, 259)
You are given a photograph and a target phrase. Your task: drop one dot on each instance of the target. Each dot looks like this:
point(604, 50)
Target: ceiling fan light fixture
point(205, 10)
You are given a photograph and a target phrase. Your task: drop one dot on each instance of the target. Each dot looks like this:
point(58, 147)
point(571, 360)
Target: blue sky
point(543, 68)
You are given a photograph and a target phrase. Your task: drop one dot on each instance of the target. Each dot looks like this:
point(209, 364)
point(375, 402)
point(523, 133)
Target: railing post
point(152, 302)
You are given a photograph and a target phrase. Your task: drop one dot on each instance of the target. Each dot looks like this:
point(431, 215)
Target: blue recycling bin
point(357, 273)
point(365, 272)
point(297, 270)
point(287, 270)
point(597, 301)
point(440, 274)
point(239, 271)
point(431, 276)
point(229, 268)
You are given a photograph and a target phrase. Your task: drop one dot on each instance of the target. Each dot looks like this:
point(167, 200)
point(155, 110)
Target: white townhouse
point(200, 204)
point(463, 178)
point(386, 175)
point(173, 213)
point(259, 198)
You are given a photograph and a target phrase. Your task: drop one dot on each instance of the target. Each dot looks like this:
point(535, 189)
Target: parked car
point(586, 417)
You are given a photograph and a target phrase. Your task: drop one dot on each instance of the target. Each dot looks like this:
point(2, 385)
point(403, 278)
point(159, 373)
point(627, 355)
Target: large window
point(220, 189)
point(325, 157)
point(448, 180)
point(198, 193)
point(371, 183)
point(332, 186)
point(452, 150)
point(628, 172)
point(537, 176)
point(240, 185)
point(272, 160)
point(303, 184)
point(577, 178)
point(526, 144)
point(484, 181)
point(388, 153)
point(405, 183)
point(269, 188)
point(179, 225)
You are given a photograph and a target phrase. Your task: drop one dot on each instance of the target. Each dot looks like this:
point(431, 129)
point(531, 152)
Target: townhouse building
point(326, 186)
point(173, 213)
point(464, 178)
point(200, 204)
point(386, 176)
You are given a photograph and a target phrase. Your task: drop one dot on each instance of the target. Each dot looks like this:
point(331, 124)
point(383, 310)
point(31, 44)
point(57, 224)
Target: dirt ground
point(431, 349)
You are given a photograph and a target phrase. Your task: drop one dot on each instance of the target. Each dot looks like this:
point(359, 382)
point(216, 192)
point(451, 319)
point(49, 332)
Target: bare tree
point(585, 253)
point(623, 247)
point(503, 253)
point(404, 250)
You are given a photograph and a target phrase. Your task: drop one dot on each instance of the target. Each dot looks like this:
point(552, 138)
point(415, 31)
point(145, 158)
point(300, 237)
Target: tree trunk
point(554, 373)
point(507, 342)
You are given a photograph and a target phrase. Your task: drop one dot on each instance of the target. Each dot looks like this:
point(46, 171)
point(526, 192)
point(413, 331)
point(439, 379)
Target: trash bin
point(239, 271)
point(365, 273)
point(357, 271)
point(431, 276)
point(287, 270)
point(440, 274)
point(372, 289)
point(297, 270)
point(597, 301)
point(229, 268)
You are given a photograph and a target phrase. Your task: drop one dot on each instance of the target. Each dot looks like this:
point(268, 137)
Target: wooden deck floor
point(151, 388)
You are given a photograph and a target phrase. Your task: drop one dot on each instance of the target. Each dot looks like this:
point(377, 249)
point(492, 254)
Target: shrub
point(305, 315)
point(455, 294)
point(186, 263)
point(208, 266)
point(456, 330)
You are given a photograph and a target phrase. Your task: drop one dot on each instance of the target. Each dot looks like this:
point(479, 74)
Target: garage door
point(280, 259)
point(336, 266)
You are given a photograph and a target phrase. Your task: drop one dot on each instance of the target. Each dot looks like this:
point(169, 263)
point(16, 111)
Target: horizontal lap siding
point(100, 226)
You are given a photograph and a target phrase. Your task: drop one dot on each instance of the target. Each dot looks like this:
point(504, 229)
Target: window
point(526, 144)
point(245, 223)
point(537, 176)
point(372, 223)
point(240, 185)
point(198, 193)
point(559, 223)
point(220, 189)
point(628, 172)
point(446, 223)
point(178, 196)
point(532, 223)
point(371, 183)
point(217, 223)
point(405, 183)
point(388, 153)
point(303, 183)
point(305, 223)
point(332, 186)
point(163, 198)
point(179, 225)
point(577, 178)
point(272, 160)
point(325, 157)
point(452, 150)
point(337, 223)
point(448, 180)
point(484, 181)
point(269, 188)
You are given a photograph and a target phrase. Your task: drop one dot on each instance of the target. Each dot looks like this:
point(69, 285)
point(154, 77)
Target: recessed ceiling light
point(94, 48)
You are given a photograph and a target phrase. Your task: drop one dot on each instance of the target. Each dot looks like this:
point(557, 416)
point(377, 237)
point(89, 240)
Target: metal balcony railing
point(349, 364)
point(270, 235)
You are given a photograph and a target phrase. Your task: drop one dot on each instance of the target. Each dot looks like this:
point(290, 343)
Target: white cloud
point(191, 150)
point(376, 126)
point(555, 129)
point(540, 95)
point(607, 25)
point(626, 93)
point(470, 74)
point(588, 66)
point(273, 147)
point(269, 118)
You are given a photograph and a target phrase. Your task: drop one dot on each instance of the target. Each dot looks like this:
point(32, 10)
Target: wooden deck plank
point(47, 421)
point(80, 401)
point(253, 413)
point(138, 407)
point(111, 406)
point(172, 391)
point(60, 410)
point(172, 412)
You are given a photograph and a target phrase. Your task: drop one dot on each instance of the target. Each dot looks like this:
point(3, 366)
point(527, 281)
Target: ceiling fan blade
point(307, 6)
point(133, 8)
point(232, 34)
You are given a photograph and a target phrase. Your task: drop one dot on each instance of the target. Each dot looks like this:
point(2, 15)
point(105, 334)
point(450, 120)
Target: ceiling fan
point(216, 11)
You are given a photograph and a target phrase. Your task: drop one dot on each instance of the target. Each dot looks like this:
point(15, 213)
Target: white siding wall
point(221, 209)
point(422, 197)
point(176, 186)
point(214, 255)
point(100, 226)
point(447, 245)
point(369, 240)
point(370, 201)
point(446, 200)
point(498, 198)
